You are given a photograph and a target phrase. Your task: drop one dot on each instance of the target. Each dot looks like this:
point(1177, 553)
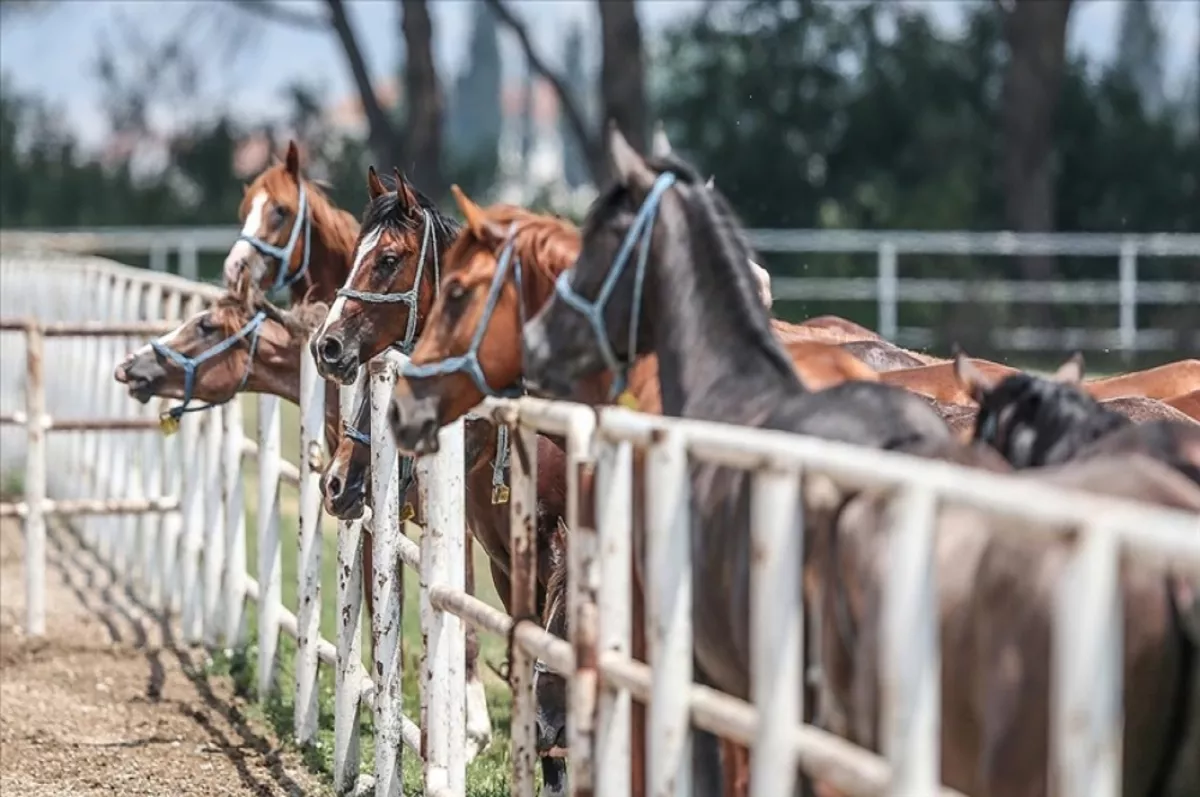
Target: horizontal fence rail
point(1118, 282)
point(170, 515)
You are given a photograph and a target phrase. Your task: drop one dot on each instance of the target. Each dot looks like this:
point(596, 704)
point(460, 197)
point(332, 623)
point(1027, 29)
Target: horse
point(402, 242)
point(257, 348)
point(292, 235)
point(1034, 421)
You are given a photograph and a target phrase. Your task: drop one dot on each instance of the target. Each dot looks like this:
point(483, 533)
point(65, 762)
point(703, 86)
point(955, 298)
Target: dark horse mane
point(384, 212)
point(1036, 421)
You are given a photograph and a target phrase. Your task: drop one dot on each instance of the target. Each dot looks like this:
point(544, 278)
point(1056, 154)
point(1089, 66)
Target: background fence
point(1121, 279)
point(186, 549)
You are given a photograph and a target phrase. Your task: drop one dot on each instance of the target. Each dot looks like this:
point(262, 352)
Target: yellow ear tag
point(627, 400)
point(168, 424)
point(500, 494)
point(407, 512)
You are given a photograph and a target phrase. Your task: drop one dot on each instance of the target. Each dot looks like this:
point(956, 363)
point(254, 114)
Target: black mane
point(1035, 421)
point(384, 212)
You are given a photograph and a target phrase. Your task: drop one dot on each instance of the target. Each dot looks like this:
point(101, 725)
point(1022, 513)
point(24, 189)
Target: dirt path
point(107, 703)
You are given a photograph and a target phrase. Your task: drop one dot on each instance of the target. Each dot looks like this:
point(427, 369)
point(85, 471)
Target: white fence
point(1119, 280)
point(190, 554)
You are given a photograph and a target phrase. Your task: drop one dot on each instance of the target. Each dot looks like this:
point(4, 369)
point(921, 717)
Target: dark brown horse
point(391, 283)
point(292, 235)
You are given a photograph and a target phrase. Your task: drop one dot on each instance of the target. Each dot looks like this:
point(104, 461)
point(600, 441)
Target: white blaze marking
point(242, 250)
point(368, 243)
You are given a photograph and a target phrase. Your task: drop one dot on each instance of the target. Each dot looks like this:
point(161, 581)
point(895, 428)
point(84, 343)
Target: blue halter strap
point(284, 254)
point(469, 363)
point(411, 296)
point(251, 330)
point(641, 232)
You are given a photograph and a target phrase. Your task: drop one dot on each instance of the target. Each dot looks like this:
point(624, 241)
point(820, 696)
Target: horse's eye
point(455, 291)
point(206, 326)
point(280, 213)
point(388, 261)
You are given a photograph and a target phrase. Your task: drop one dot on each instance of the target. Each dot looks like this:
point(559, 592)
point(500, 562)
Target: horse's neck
point(333, 237)
point(708, 341)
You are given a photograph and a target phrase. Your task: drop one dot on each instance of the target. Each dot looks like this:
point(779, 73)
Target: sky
point(250, 85)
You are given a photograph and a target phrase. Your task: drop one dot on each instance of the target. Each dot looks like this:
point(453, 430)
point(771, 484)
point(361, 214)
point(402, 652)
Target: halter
point(469, 363)
point(411, 296)
point(252, 329)
point(593, 311)
point(284, 254)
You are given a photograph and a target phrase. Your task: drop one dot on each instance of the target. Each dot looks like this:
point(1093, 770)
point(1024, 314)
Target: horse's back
point(823, 365)
point(939, 382)
point(1161, 382)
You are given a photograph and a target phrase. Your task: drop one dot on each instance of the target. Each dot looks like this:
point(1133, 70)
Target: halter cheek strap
point(251, 330)
point(411, 296)
point(284, 253)
point(469, 363)
point(641, 231)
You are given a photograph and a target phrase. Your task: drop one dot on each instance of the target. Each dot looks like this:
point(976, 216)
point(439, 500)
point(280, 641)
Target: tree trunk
point(423, 101)
point(1035, 31)
point(623, 74)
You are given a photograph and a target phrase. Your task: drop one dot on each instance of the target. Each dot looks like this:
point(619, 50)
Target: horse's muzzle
point(345, 496)
point(415, 424)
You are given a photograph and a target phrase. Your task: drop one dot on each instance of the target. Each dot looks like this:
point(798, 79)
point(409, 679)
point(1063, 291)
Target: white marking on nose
point(369, 242)
point(242, 251)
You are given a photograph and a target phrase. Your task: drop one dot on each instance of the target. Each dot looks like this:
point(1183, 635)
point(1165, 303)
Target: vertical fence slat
point(582, 576)
point(669, 615)
point(776, 629)
point(232, 437)
point(129, 483)
point(35, 484)
point(214, 526)
point(270, 584)
point(387, 585)
point(171, 527)
point(522, 533)
point(614, 510)
point(150, 523)
point(349, 631)
point(194, 493)
point(443, 680)
point(1087, 673)
point(308, 617)
point(910, 672)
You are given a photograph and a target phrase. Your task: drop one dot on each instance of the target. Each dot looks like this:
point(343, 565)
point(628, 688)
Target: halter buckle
point(628, 400)
point(407, 512)
point(168, 424)
point(500, 494)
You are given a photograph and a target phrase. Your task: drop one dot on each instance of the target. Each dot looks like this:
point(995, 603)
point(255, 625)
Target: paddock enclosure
point(169, 513)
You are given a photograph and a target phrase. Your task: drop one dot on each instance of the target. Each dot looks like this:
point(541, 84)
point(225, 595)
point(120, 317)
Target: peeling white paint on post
point(523, 462)
point(308, 616)
point(35, 484)
point(443, 680)
point(171, 527)
point(346, 744)
point(387, 585)
point(669, 615)
point(214, 526)
point(270, 584)
point(194, 493)
point(235, 524)
point(910, 670)
point(583, 575)
point(1086, 712)
point(776, 629)
point(614, 512)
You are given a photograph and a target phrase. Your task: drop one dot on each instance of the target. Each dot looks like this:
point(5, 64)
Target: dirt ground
point(107, 703)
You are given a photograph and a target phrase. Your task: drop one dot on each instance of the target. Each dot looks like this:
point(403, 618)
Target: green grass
point(488, 775)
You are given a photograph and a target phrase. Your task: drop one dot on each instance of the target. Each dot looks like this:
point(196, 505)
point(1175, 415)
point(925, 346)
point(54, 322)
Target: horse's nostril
point(334, 485)
point(331, 350)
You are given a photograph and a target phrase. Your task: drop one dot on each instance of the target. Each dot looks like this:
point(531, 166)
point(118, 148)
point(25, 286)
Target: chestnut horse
point(292, 235)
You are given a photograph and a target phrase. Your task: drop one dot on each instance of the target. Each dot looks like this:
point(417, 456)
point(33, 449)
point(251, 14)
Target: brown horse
point(391, 283)
point(1188, 404)
point(292, 235)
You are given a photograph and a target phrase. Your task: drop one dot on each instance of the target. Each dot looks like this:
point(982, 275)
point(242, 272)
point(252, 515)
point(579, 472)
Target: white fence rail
point(190, 553)
point(1119, 280)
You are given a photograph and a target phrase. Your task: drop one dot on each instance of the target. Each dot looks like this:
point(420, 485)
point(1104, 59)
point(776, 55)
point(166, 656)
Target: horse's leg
point(479, 724)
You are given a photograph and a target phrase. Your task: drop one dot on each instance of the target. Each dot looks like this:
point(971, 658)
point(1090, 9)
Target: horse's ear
point(558, 541)
point(628, 166)
point(484, 229)
point(1070, 372)
point(660, 145)
point(293, 159)
point(970, 377)
point(404, 192)
point(375, 186)
point(763, 278)
point(711, 183)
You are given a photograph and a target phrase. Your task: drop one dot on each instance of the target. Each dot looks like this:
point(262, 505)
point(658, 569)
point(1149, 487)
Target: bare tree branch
point(384, 138)
point(593, 152)
point(277, 13)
